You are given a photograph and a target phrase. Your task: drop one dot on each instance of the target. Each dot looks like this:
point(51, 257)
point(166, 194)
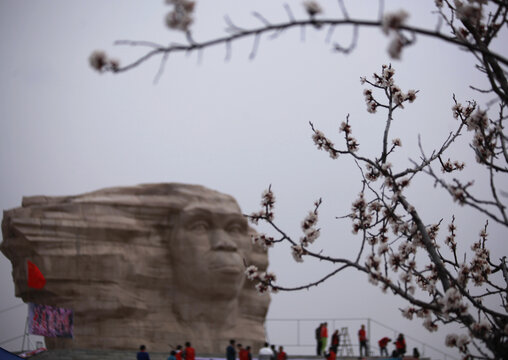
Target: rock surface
point(156, 264)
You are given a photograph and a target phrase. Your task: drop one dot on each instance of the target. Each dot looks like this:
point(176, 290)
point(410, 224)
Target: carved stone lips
point(227, 269)
point(230, 263)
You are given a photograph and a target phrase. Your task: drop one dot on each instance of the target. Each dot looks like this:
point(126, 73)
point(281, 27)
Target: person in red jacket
point(189, 353)
point(362, 337)
point(382, 346)
point(243, 354)
point(324, 336)
point(400, 345)
point(178, 354)
point(331, 355)
point(281, 354)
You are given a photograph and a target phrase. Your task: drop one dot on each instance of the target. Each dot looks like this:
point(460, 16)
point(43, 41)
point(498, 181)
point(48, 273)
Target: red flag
point(35, 278)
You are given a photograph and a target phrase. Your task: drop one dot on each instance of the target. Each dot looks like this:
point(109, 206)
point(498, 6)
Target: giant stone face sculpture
point(156, 264)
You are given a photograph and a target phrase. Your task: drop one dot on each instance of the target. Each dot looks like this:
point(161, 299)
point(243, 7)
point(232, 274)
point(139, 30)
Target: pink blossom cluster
point(180, 18)
point(391, 24)
point(267, 203)
point(323, 143)
point(479, 266)
point(264, 280)
point(459, 341)
point(352, 144)
point(360, 215)
point(393, 21)
point(262, 239)
point(450, 166)
point(452, 302)
point(311, 233)
point(101, 62)
point(312, 8)
point(297, 251)
point(385, 81)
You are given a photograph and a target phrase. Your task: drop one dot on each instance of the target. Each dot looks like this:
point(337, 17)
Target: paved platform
point(75, 354)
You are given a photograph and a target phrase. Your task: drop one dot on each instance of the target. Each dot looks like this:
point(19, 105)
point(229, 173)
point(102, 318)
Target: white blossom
point(268, 277)
point(395, 47)
point(263, 240)
point(411, 289)
point(309, 221)
point(268, 198)
point(463, 340)
point(373, 278)
point(452, 301)
point(261, 288)
point(451, 340)
point(394, 20)
point(408, 312)
point(251, 272)
point(481, 328)
point(373, 262)
point(181, 16)
point(297, 252)
point(429, 325)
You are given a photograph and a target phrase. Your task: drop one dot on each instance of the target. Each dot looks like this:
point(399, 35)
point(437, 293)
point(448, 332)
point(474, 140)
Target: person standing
point(142, 354)
point(243, 354)
point(281, 355)
point(178, 354)
point(382, 346)
point(318, 339)
point(265, 353)
point(172, 355)
point(189, 353)
point(400, 345)
point(324, 336)
point(274, 351)
point(230, 350)
point(249, 355)
point(335, 341)
point(362, 338)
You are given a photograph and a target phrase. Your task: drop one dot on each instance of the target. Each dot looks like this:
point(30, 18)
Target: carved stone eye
point(198, 226)
point(235, 228)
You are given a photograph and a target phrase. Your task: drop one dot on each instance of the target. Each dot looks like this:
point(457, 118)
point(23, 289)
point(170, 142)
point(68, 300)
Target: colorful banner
point(50, 321)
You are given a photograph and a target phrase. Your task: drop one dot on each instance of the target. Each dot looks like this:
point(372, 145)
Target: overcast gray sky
point(235, 127)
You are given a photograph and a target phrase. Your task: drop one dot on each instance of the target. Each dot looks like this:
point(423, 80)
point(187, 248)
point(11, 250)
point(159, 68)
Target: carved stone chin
point(154, 264)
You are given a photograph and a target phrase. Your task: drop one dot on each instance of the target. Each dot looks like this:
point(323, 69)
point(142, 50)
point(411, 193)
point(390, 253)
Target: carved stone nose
point(222, 241)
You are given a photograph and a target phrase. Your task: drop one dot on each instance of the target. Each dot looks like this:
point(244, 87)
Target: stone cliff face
point(155, 264)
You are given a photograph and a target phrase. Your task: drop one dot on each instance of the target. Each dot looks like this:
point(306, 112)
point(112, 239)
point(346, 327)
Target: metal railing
point(298, 335)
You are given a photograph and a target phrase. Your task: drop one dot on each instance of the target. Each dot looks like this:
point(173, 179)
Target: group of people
point(322, 339)
point(400, 347)
point(267, 352)
point(178, 353)
point(321, 334)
